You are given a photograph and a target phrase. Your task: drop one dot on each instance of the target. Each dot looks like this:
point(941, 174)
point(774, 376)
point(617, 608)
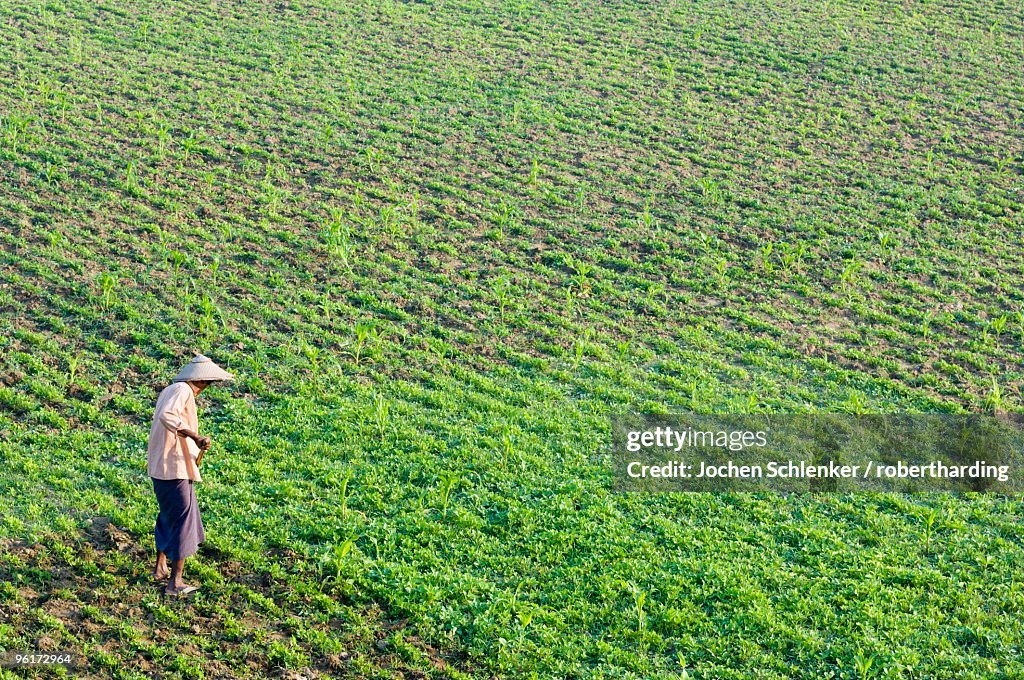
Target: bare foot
point(161, 572)
point(180, 589)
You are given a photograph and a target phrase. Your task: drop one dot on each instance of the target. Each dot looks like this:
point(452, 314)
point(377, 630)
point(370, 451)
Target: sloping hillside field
point(440, 243)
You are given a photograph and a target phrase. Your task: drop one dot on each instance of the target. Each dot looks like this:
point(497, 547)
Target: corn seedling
point(705, 242)
point(256, 364)
point(525, 614)
point(326, 308)
point(747, 404)
point(438, 348)
point(581, 200)
point(163, 137)
point(388, 219)
point(856, 404)
point(925, 327)
point(374, 157)
point(108, 283)
point(139, 116)
point(62, 105)
point(849, 276)
point(55, 238)
point(335, 235)
point(578, 350)
point(338, 554)
point(334, 231)
point(885, 240)
point(667, 65)
point(929, 523)
point(188, 299)
point(765, 259)
point(639, 598)
point(365, 332)
point(534, 172)
point(74, 362)
point(581, 271)
point(507, 448)
point(214, 267)
point(646, 219)
point(790, 257)
point(358, 199)
point(693, 392)
point(516, 109)
point(995, 400)
point(710, 191)
point(14, 128)
point(1001, 164)
point(721, 271)
point(655, 290)
point(52, 174)
point(501, 290)
point(413, 206)
point(177, 259)
point(191, 144)
point(449, 480)
point(998, 324)
point(208, 315)
point(343, 493)
point(381, 414)
point(681, 660)
point(131, 176)
point(570, 301)
point(863, 665)
point(502, 217)
point(622, 350)
point(273, 195)
point(312, 354)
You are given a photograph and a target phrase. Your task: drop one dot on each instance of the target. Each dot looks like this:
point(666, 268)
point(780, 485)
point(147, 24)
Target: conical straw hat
point(202, 368)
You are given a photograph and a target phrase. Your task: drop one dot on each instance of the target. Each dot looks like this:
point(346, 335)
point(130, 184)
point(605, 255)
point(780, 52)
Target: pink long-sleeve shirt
point(175, 409)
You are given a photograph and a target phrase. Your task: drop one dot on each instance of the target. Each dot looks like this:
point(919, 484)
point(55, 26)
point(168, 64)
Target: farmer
point(175, 450)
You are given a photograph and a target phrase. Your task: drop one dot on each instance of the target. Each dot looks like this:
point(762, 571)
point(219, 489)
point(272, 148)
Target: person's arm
point(200, 440)
point(172, 420)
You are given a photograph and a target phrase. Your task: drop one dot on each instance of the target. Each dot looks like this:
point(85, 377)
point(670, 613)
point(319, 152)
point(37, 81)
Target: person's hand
point(204, 443)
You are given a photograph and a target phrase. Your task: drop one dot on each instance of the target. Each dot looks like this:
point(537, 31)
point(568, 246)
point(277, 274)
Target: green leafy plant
point(534, 172)
point(381, 415)
point(366, 333)
point(108, 286)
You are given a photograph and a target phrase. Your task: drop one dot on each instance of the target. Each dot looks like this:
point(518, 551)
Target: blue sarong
point(179, 528)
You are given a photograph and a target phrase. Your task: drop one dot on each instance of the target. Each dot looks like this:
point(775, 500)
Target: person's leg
point(160, 570)
point(176, 583)
point(163, 532)
point(183, 531)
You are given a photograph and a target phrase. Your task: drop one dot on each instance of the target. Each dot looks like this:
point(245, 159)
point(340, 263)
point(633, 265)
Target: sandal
point(181, 593)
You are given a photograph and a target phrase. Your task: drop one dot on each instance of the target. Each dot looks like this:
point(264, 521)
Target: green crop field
point(440, 242)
